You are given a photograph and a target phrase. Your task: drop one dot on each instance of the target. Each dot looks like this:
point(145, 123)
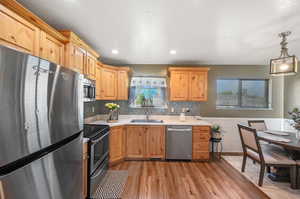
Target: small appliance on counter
point(98, 151)
point(89, 90)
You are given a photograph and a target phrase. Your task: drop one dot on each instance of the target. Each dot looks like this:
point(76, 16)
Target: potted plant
point(295, 115)
point(216, 131)
point(113, 114)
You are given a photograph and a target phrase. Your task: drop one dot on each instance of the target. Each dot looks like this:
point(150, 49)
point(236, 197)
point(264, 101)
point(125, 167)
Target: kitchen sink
point(147, 121)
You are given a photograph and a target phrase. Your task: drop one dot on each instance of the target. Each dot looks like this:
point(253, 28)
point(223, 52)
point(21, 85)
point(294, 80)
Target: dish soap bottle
point(182, 115)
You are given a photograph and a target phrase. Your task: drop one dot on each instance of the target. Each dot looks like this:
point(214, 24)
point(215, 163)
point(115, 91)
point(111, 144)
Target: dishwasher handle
point(180, 130)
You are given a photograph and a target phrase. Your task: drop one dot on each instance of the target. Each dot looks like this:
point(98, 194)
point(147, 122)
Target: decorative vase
point(113, 115)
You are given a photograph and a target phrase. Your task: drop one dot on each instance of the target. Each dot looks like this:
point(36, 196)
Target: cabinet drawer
point(201, 155)
point(201, 146)
point(17, 32)
point(200, 137)
point(201, 128)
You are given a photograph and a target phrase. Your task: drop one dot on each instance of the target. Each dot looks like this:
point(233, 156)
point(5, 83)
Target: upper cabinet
point(90, 67)
point(112, 83)
point(51, 48)
point(188, 83)
point(123, 83)
point(79, 56)
point(108, 83)
point(17, 33)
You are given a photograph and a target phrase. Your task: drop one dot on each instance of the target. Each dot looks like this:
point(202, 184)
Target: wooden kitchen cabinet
point(201, 142)
point(98, 81)
point(179, 86)
point(108, 83)
point(155, 142)
point(188, 83)
point(144, 142)
point(123, 83)
point(75, 57)
point(90, 67)
point(116, 144)
point(51, 49)
point(85, 169)
point(135, 142)
point(198, 86)
point(17, 33)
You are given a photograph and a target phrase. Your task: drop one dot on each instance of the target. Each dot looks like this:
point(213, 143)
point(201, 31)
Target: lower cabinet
point(116, 144)
point(201, 142)
point(85, 169)
point(135, 142)
point(145, 142)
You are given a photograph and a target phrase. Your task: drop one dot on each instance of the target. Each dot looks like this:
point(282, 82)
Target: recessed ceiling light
point(115, 51)
point(173, 52)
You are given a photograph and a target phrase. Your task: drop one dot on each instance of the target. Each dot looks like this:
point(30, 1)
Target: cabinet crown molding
point(195, 68)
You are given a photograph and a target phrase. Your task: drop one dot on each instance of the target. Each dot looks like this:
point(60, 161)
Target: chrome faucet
point(147, 113)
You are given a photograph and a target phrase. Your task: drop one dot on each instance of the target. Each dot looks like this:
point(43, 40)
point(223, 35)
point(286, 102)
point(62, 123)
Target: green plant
point(216, 128)
point(112, 106)
point(295, 115)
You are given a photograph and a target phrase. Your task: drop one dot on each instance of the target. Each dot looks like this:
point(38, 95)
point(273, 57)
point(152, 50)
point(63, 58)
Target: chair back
point(250, 141)
point(259, 125)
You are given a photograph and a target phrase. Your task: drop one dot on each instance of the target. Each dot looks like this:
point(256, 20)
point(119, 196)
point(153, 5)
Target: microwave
point(89, 90)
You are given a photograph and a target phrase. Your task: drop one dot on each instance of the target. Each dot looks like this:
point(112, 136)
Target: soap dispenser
point(182, 115)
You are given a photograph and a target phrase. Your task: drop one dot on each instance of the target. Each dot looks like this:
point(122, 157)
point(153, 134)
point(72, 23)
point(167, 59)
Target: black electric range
point(94, 130)
point(98, 154)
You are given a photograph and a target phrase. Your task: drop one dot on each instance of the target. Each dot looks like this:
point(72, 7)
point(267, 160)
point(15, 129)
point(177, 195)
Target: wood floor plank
point(186, 180)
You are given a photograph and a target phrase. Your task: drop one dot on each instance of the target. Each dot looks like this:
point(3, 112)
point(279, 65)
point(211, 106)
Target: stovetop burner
point(92, 130)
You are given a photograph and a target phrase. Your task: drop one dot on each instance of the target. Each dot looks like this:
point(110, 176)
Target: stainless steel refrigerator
point(41, 123)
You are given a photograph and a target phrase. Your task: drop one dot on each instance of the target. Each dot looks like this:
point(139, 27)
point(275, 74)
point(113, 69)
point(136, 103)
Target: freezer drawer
point(57, 175)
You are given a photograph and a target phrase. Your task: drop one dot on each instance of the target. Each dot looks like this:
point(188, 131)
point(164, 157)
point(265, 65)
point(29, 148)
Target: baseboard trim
point(232, 153)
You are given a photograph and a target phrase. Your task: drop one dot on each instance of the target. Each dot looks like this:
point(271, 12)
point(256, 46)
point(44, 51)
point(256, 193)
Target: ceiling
point(200, 31)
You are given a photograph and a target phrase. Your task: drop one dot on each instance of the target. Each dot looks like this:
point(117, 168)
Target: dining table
point(288, 141)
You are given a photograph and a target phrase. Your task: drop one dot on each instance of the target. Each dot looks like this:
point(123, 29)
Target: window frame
point(268, 91)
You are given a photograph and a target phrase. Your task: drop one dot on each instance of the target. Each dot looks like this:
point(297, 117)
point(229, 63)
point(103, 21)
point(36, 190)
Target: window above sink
point(148, 92)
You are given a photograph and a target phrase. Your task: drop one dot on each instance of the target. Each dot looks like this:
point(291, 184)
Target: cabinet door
point(179, 85)
point(79, 56)
point(51, 49)
point(116, 145)
point(90, 67)
point(155, 141)
point(98, 82)
point(135, 142)
point(108, 84)
point(122, 85)
point(17, 33)
point(198, 86)
point(201, 142)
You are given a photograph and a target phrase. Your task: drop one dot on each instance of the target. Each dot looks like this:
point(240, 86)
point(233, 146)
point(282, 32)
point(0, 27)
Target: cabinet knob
point(13, 37)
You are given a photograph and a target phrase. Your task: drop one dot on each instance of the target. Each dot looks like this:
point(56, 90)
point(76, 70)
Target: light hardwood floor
point(186, 180)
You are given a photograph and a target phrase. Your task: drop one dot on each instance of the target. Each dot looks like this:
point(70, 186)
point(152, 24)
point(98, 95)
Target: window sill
point(241, 108)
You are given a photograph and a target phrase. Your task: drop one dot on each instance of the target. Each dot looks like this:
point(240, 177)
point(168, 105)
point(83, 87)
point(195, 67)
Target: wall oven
point(98, 154)
point(89, 90)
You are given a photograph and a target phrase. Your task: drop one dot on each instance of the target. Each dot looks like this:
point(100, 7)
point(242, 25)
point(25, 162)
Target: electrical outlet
point(172, 109)
point(93, 109)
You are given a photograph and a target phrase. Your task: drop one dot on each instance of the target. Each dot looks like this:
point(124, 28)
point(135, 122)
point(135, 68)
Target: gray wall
point(291, 93)
point(205, 109)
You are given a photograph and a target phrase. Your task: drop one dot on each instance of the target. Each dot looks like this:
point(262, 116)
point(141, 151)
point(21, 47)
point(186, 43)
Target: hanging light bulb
point(285, 64)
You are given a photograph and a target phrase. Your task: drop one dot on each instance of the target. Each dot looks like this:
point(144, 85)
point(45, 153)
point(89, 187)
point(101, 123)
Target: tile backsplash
point(98, 107)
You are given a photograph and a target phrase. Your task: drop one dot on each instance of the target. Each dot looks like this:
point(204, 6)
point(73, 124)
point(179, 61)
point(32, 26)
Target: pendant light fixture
point(285, 64)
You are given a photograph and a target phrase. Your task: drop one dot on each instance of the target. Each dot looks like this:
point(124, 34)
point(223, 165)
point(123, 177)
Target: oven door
point(97, 177)
point(99, 149)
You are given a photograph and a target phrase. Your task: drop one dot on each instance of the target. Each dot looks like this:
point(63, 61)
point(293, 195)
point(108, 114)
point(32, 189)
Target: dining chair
point(265, 156)
point(259, 125)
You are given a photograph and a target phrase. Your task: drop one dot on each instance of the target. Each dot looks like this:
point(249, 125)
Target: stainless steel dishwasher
point(179, 143)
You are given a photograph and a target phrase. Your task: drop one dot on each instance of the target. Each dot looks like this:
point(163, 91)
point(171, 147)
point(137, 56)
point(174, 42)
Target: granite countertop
point(167, 120)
